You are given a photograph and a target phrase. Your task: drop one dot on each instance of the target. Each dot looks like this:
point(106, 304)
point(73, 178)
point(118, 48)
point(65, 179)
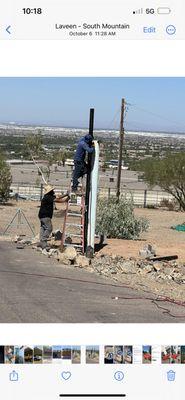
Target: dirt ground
point(30, 210)
point(166, 240)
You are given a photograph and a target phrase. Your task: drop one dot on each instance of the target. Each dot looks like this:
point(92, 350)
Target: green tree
point(5, 179)
point(46, 170)
point(33, 146)
point(60, 156)
point(63, 157)
point(168, 173)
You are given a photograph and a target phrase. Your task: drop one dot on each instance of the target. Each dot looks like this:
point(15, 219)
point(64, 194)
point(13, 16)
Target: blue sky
point(57, 348)
point(154, 103)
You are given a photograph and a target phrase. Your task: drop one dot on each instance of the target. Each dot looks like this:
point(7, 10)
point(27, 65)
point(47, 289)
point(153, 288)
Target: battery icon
point(163, 10)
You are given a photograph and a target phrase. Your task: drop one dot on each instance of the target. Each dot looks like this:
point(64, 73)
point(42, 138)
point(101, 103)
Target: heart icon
point(66, 375)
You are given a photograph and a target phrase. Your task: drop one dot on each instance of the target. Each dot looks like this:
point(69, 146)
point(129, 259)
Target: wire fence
point(142, 198)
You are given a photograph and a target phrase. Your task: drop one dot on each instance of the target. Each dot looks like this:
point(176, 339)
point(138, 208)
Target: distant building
point(69, 162)
point(19, 162)
point(114, 164)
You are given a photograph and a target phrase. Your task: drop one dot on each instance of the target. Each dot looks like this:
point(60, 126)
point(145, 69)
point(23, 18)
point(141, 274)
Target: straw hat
point(48, 188)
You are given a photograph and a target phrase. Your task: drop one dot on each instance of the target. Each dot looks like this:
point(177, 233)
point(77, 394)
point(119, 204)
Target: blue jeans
point(80, 170)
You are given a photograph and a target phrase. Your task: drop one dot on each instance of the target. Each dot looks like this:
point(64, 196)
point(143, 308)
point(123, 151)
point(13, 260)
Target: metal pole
point(91, 122)
point(27, 222)
point(41, 191)
point(12, 220)
point(145, 198)
point(121, 138)
point(88, 180)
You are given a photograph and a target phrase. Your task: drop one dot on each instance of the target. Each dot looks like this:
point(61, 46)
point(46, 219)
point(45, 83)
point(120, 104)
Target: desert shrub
point(117, 219)
point(171, 205)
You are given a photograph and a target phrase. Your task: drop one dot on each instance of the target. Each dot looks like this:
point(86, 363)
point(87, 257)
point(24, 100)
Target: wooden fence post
point(145, 198)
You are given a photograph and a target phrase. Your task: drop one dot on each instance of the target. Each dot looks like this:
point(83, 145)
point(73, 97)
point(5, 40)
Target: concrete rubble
point(82, 261)
point(20, 239)
point(68, 257)
point(148, 251)
point(162, 271)
point(165, 278)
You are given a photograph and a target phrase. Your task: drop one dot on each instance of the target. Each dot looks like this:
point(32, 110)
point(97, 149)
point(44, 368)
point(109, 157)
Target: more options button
point(171, 30)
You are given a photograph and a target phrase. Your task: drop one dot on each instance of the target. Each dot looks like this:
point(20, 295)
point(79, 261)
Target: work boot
point(42, 245)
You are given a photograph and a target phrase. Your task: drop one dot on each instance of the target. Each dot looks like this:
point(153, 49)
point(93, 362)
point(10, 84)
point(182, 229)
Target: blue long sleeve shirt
point(81, 150)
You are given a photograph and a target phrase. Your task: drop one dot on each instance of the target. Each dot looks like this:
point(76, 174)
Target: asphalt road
point(34, 289)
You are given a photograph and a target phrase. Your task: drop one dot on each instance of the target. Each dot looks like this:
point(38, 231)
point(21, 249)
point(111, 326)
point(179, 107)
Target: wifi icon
point(139, 11)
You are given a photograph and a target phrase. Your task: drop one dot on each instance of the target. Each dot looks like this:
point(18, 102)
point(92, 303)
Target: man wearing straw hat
point(46, 213)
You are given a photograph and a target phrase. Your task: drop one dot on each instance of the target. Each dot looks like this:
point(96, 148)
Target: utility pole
point(121, 138)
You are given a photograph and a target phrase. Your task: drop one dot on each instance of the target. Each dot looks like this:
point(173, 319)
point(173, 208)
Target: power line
point(118, 114)
point(155, 115)
point(114, 119)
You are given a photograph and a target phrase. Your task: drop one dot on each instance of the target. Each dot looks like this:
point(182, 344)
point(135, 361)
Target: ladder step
point(73, 245)
point(75, 204)
point(76, 195)
point(75, 209)
point(74, 215)
point(74, 234)
point(77, 225)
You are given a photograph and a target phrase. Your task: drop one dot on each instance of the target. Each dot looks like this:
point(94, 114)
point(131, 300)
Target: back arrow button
point(8, 29)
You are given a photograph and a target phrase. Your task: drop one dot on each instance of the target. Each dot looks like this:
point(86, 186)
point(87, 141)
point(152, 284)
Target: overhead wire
point(113, 120)
point(117, 113)
point(156, 115)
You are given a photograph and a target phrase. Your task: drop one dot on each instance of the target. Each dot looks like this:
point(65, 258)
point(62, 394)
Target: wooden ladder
point(74, 221)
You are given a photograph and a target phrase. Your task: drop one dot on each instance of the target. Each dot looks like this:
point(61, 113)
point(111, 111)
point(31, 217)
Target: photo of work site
point(97, 355)
point(92, 201)
point(40, 355)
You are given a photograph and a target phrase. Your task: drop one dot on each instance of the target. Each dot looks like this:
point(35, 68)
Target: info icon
point(119, 376)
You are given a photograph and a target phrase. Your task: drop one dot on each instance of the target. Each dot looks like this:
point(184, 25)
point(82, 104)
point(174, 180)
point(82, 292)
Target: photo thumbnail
point(92, 355)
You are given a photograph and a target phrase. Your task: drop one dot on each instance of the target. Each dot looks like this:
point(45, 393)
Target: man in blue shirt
point(85, 145)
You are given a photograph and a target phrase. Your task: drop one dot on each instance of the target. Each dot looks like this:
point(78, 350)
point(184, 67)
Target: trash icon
point(13, 376)
point(171, 376)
